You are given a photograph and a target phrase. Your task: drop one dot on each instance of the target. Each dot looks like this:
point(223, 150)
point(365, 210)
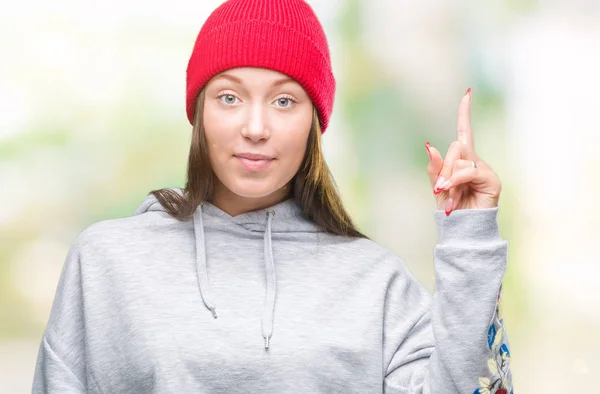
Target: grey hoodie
point(267, 302)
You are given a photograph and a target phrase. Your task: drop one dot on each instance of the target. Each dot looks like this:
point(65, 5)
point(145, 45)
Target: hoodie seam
point(241, 225)
point(59, 359)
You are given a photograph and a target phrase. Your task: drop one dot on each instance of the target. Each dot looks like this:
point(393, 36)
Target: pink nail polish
point(439, 182)
point(449, 206)
point(427, 145)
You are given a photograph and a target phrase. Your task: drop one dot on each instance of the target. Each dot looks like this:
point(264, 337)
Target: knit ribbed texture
point(282, 35)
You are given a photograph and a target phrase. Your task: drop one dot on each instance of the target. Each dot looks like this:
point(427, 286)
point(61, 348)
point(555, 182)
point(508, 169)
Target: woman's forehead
point(254, 76)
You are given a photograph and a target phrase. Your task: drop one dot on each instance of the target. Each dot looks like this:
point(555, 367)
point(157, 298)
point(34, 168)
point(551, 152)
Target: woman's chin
point(253, 188)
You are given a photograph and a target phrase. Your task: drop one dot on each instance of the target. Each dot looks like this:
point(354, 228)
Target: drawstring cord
point(267, 323)
point(205, 292)
point(271, 279)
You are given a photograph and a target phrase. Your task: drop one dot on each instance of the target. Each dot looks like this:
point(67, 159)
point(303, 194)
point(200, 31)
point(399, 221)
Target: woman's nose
point(256, 127)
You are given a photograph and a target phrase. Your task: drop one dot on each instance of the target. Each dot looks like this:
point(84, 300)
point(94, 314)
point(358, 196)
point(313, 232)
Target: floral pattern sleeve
point(499, 380)
point(458, 343)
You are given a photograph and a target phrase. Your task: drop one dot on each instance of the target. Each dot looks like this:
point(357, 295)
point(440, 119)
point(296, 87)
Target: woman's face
point(256, 123)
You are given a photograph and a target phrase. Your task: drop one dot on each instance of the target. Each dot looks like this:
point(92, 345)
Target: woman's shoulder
point(129, 230)
point(360, 251)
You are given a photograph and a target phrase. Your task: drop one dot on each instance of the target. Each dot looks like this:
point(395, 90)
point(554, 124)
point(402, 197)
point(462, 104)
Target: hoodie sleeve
point(60, 366)
point(455, 341)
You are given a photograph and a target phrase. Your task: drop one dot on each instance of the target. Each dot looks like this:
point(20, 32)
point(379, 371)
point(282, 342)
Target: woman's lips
point(254, 162)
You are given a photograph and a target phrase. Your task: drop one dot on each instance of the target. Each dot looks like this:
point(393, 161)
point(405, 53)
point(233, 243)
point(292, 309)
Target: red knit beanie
point(282, 35)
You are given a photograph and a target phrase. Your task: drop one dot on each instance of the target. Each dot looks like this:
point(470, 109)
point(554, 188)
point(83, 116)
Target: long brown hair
point(313, 186)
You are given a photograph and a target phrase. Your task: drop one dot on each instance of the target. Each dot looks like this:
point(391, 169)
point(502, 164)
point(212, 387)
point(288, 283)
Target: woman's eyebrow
point(283, 81)
point(230, 78)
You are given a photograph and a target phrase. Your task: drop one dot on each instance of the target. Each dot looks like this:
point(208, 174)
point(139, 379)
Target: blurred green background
point(92, 117)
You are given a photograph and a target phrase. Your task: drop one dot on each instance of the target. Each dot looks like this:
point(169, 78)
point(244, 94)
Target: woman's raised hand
point(462, 180)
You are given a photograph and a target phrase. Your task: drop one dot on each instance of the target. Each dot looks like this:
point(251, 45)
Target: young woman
point(253, 278)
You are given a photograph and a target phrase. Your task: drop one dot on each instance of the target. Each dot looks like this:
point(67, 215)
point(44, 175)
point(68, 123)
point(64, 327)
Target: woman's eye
point(284, 102)
point(228, 99)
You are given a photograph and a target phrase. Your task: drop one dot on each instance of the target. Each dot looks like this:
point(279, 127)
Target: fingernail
point(445, 184)
point(448, 206)
point(469, 93)
point(439, 181)
point(427, 145)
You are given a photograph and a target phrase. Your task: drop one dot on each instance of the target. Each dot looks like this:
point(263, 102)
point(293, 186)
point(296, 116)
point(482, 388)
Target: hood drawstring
point(207, 296)
point(271, 279)
point(267, 323)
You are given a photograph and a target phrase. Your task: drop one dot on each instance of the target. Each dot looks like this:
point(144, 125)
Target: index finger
point(463, 127)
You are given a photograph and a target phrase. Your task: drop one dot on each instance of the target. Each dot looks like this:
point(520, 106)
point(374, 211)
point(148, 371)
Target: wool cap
point(282, 35)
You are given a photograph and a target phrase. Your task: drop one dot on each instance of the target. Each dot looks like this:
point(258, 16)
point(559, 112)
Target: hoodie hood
point(284, 217)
